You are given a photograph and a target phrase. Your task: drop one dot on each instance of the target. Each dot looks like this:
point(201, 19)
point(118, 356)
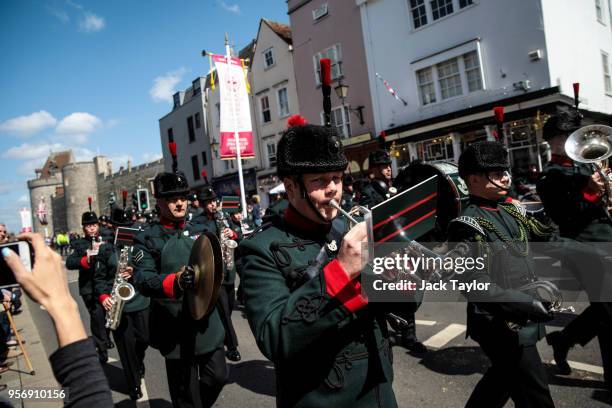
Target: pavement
point(444, 377)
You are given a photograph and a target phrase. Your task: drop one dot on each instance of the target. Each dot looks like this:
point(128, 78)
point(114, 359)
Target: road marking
point(583, 366)
point(445, 335)
point(425, 322)
point(144, 401)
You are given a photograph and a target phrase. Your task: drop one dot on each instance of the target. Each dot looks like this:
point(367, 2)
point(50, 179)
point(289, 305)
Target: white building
point(454, 60)
point(186, 125)
point(274, 96)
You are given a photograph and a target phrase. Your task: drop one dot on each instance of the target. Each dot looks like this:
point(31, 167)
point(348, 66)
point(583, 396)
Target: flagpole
point(228, 57)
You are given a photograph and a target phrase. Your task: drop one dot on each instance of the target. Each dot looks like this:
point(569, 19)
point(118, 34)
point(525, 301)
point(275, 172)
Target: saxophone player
point(83, 259)
point(132, 335)
point(217, 222)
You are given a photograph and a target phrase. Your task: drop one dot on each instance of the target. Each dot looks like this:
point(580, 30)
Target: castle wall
point(43, 188)
point(80, 182)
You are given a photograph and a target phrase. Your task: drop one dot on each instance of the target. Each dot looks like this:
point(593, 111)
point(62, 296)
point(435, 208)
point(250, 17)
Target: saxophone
point(227, 245)
point(122, 292)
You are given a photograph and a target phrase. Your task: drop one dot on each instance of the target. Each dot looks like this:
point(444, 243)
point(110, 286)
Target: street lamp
point(342, 93)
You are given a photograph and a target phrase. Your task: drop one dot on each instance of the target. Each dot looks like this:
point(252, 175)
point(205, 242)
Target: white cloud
point(82, 154)
point(164, 85)
point(121, 161)
point(149, 157)
point(232, 8)
point(61, 15)
point(29, 151)
point(90, 23)
point(78, 123)
point(23, 199)
point(28, 124)
point(28, 167)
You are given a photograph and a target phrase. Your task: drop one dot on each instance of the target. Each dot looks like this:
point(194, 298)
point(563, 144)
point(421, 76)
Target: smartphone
point(24, 250)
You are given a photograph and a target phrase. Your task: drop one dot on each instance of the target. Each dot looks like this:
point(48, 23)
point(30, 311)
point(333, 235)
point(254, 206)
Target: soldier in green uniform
point(83, 259)
point(378, 189)
point(302, 290)
point(500, 233)
point(131, 336)
point(573, 196)
point(217, 222)
point(194, 206)
point(193, 349)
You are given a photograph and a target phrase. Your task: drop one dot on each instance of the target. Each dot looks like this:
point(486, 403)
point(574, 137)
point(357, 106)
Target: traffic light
point(134, 200)
point(143, 199)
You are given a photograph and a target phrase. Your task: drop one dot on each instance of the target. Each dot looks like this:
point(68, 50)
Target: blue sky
point(96, 76)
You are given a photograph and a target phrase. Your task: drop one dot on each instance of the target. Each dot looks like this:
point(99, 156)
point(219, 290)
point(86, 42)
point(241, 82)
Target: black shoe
point(233, 355)
point(415, 346)
point(110, 345)
point(103, 357)
point(136, 394)
point(560, 350)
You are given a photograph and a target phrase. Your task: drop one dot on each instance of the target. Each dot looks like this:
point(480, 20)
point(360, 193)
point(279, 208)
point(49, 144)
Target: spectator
point(3, 234)
point(75, 364)
point(256, 210)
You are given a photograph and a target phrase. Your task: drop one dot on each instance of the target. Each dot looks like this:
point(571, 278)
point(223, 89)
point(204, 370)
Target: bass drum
point(452, 191)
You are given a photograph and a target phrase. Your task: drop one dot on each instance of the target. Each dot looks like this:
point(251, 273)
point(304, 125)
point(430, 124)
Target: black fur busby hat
point(564, 122)
point(379, 157)
point(120, 218)
point(170, 185)
point(89, 217)
point(207, 194)
point(309, 149)
point(482, 157)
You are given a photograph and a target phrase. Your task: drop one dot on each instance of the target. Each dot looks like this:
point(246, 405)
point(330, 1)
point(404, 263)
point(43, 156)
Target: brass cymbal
point(206, 260)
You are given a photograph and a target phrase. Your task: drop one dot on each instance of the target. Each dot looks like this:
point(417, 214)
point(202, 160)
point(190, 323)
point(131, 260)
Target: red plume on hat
point(296, 120)
point(576, 86)
point(89, 200)
point(498, 112)
point(124, 194)
point(172, 148)
point(204, 175)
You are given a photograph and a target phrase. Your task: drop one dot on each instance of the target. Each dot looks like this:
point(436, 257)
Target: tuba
point(592, 144)
point(121, 293)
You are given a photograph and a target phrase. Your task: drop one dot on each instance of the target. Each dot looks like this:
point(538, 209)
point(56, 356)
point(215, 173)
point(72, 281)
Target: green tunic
point(158, 253)
point(327, 352)
point(86, 275)
point(373, 193)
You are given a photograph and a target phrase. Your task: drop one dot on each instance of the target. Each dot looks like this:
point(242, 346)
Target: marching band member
point(131, 336)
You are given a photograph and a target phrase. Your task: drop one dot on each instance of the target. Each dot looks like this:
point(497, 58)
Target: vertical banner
point(26, 220)
point(235, 109)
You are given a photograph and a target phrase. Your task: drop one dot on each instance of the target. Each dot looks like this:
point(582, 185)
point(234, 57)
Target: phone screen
point(6, 275)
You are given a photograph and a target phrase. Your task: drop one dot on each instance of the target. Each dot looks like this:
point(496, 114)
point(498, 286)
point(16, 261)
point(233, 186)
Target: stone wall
point(80, 182)
point(43, 188)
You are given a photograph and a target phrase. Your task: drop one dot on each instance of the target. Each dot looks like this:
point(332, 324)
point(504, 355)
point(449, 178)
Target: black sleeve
point(77, 368)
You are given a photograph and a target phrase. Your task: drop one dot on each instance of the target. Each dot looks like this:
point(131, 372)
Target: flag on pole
point(235, 109)
point(391, 90)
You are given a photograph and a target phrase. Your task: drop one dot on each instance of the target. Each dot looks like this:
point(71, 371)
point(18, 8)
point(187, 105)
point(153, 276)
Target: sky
point(96, 76)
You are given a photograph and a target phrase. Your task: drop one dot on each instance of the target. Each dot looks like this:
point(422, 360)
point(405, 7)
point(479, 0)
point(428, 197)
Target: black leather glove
point(186, 278)
point(539, 312)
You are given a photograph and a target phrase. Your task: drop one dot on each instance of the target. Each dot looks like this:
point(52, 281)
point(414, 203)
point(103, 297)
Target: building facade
point(452, 61)
point(274, 97)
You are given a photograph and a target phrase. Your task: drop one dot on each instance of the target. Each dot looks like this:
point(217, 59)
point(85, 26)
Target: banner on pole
point(233, 95)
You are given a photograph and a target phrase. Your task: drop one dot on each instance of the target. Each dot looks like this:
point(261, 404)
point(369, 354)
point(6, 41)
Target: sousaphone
point(206, 260)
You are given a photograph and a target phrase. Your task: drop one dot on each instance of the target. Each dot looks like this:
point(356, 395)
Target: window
point(599, 11)
point(195, 166)
point(218, 105)
point(441, 8)
point(198, 123)
point(454, 77)
point(170, 135)
point(606, 70)
point(204, 159)
point(319, 12)
point(340, 120)
point(265, 109)
point(465, 3)
point(190, 129)
point(268, 57)
point(283, 103)
point(419, 14)
point(449, 78)
point(472, 71)
point(335, 55)
point(271, 147)
point(427, 89)
point(229, 164)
